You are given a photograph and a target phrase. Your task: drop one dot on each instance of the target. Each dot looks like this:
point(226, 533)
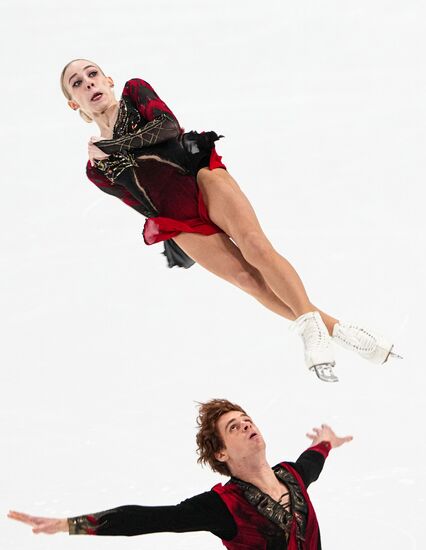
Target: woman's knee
point(256, 248)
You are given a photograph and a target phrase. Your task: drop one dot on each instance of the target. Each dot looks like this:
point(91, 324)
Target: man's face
point(241, 437)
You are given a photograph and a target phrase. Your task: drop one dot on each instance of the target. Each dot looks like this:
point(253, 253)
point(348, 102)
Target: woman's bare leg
point(219, 255)
point(230, 209)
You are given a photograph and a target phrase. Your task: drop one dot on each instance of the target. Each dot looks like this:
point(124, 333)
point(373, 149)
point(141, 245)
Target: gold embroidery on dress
point(164, 161)
point(140, 187)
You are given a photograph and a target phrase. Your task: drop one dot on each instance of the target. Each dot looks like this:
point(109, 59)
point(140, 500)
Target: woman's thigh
point(227, 205)
point(219, 255)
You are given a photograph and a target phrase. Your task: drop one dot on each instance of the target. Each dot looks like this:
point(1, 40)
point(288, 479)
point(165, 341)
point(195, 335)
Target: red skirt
point(177, 198)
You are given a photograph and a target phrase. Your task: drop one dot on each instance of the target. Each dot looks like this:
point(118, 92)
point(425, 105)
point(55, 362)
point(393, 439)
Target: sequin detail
point(281, 515)
point(128, 120)
point(85, 525)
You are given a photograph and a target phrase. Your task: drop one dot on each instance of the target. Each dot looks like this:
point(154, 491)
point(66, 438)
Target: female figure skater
point(260, 507)
point(178, 181)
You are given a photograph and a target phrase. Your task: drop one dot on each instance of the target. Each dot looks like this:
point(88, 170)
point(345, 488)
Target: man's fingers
point(341, 440)
point(43, 528)
point(13, 515)
point(19, 516)
point(34, 521)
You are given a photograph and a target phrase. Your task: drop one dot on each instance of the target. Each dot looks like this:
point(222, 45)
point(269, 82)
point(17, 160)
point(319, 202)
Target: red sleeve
point(160, 123)
point(323, 448)
point(311, 462)
point(143, 95)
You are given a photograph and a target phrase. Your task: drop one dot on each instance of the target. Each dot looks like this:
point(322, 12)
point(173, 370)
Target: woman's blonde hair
point(65, 91)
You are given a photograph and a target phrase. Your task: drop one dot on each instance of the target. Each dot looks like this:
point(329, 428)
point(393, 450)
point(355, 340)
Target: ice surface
point(323, 109)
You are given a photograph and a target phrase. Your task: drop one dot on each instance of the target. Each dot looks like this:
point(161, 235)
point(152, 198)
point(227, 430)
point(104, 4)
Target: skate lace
point(313, 335)
point(360, 339)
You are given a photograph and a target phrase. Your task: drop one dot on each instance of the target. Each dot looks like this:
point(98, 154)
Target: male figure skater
point(260, 507)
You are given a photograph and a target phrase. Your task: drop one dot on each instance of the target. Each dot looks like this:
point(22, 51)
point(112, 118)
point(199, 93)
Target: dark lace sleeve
point(161, 124)
point(204, 512)
point(143, 95)
point(310, 463)
point(174, 254)
point(105, 185)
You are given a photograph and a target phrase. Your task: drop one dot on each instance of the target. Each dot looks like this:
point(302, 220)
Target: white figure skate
point(319, 356)
point(370, 346)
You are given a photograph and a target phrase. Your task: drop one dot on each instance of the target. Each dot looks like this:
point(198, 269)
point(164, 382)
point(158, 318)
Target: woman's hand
point(41, 525)
point(325, 433)
point(94, 152)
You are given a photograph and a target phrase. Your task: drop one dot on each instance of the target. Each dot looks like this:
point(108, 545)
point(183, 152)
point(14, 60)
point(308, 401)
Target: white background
point(105, 350)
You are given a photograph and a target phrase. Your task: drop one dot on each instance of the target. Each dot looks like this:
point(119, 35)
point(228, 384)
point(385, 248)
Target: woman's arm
point(104, 184)
point(161, 129)
point(143, 95)
point(204, 512)
point(172, 251)
point(161, 125)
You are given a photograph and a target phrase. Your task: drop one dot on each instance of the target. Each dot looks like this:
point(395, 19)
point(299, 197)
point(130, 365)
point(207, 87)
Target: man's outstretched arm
point(310, 463)
point(203, 512)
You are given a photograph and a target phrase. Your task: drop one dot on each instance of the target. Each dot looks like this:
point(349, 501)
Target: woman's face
point(89, 88)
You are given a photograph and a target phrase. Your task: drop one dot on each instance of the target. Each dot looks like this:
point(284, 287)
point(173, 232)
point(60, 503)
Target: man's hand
point(39, 524)
point(325, 433)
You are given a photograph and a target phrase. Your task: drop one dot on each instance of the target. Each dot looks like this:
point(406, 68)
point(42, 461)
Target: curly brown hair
point(208, 439)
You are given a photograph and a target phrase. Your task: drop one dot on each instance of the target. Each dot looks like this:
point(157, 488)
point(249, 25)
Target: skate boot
point(370, 346)
point(319, 356)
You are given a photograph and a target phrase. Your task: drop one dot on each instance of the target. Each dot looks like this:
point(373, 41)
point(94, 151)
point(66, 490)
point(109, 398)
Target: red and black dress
point(152, 167)
point(239, 513)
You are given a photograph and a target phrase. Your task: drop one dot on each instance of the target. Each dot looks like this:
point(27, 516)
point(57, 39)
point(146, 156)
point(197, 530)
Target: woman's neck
point(106, 120)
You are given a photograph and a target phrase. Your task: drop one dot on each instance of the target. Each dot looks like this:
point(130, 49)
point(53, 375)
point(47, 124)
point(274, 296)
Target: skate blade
point(393, 355)
point(324, 372)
